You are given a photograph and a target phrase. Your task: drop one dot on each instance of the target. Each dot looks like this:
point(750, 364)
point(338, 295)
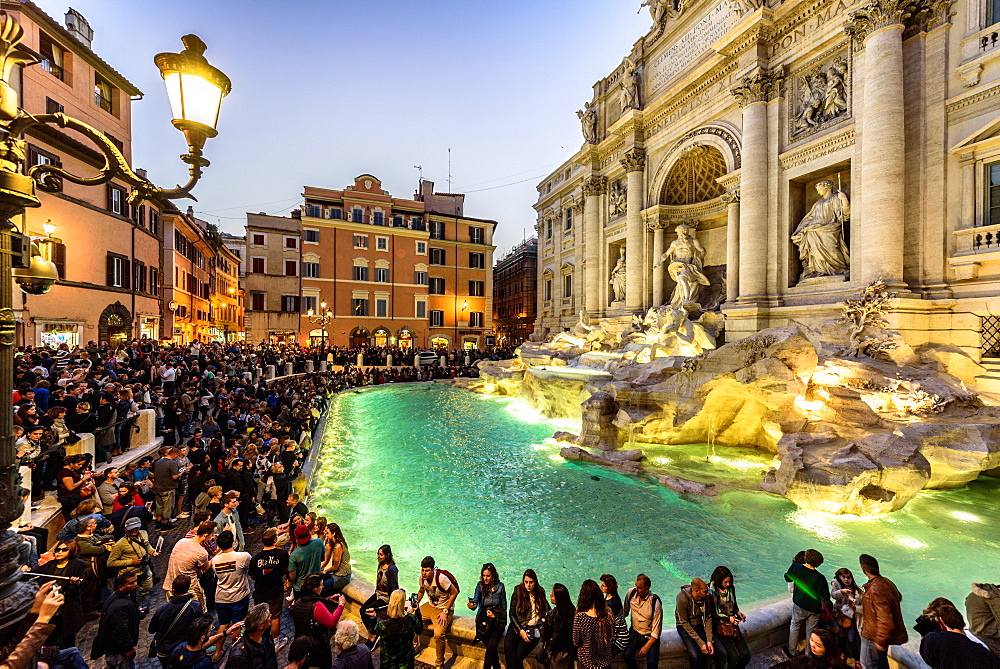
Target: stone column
point(968, 164)
point(754, 92)
point(878, 237)
point(659, 296)
point(593, 188)
point(732, 200)
point(634, 163)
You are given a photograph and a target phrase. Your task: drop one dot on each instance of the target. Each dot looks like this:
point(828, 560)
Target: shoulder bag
point(156, 637)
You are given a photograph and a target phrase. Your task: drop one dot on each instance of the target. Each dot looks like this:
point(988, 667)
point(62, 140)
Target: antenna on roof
point(449, 170)
point(421, 170)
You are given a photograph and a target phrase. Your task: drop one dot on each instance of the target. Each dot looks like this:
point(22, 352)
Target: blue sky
point(324, 91)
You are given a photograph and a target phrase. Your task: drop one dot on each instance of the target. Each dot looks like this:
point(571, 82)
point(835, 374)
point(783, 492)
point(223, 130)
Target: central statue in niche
point(820, 235)
point(686, 257)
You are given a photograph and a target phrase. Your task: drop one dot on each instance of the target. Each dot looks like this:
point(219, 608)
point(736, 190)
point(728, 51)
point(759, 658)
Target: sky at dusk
point(324, 91)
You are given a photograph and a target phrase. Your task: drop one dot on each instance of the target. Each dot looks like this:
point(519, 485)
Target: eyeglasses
point(61, 549)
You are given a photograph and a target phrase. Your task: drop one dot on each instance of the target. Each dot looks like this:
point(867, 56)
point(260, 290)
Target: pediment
point(986, 137)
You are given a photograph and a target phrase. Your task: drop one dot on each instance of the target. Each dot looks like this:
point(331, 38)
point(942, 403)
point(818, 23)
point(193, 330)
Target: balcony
point(102, 102)
point(53, 69)
point(973, 247)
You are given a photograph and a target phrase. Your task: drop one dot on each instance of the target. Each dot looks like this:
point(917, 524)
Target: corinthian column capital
point(877, 14)
point(760, 85)
point(634, 160)
point(731, 196)
point(595, 185)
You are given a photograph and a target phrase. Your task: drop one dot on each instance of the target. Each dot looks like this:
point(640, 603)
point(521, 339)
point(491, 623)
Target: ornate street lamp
point(322, 320)
point(196, 90)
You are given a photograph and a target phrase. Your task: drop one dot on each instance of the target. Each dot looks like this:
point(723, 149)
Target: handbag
point(155, 642)
point(726, 629)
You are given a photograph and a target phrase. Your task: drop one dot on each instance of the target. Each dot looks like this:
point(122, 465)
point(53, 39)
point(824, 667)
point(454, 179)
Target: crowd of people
point(234, 449)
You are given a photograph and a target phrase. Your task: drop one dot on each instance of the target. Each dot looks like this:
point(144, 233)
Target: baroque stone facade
point(744, 115)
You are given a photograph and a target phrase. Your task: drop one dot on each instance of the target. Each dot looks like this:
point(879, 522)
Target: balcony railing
point(53, 69)
point(102, 102)
point(984, 239)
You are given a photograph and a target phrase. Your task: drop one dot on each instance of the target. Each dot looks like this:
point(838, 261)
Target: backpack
point(628, 602)
point(451, 577)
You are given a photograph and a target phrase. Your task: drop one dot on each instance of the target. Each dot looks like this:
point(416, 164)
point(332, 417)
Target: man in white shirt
point(232, 594)
point(168, 376)
point(442, 592)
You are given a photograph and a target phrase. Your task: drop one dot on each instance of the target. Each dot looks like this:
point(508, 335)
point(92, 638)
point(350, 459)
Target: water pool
point(435, 470)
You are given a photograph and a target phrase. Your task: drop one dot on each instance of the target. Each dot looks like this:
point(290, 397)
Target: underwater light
point(968, 517)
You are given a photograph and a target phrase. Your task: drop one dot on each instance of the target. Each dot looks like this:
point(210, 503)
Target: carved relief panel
point(616, 198)
point(821, 97)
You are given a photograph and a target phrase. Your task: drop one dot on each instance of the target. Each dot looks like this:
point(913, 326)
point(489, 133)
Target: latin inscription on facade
point(692, 44)
point(809, 26)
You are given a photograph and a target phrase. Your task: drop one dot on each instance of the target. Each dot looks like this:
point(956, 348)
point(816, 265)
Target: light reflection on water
point(435, 470)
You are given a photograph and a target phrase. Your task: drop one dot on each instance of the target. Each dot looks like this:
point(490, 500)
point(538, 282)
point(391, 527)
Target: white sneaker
point(184, 514)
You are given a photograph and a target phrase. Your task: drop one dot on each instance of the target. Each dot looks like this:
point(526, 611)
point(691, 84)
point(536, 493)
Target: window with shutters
point(421, 309)
point(139, 276)
point(381, 275)
point(54, 57)
point(308, 302)
point(437, 257)
point(378, 218)
point(310, 236)
point(360, 273)
point(421, 278)
point(381, 307)
point(53, 107)
point(310, 270)
point(548, 289)
point(360, 241)
point(421, 248)
point(154, 281)
point(359, 306)
point(437, 229)
point(477, 288)
point(290, 303)
point(417, 223)
point(476, 319)
point(256, 301)
point(37, 156)
point(381, 243)
point(119, 144)
point(477, 235)
point(477, 260)
point(436, 286)
point(59, 257)
point(335, 213)
point(257, 239)
point(258, 265)
point(437, 318)
point(357, 215)
point(117, 200)
point(291, 268)
point(314, 210)
point(118, 271)
point(104, 93)
point(291, 243)
point(154, 221)
point(569, 219)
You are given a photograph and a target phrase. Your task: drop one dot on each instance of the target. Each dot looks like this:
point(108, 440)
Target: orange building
point(394, 271)
point(108, 253)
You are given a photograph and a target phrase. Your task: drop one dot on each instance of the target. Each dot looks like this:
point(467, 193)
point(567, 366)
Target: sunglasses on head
point(489, 565)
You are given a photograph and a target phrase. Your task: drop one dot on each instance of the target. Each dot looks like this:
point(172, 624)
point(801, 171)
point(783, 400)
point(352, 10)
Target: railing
point(102, 102)
point(984, 239)
point(53, 69)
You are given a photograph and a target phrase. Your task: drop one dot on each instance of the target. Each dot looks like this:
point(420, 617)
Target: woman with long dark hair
point(528, 607)
point(386, 583)
point(727, 618)
point(596, 632)
point(609, 586)
point(847, 611)
point(557, 629)
point(337, 561)
point(491, 601)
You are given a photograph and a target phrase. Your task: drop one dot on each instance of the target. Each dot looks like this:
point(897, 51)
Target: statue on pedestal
point(820, 235)
point(685, 256)
point(630, 86)
point(618, 278)
point(588, 122)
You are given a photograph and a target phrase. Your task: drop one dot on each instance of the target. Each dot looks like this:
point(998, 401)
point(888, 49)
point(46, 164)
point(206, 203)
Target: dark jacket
point(954, 650)
point(355, 657)
point(881, 619)
point(165, 643)
point(557, 632)
point(495, 601)
point(516, 621)
point(811, 589)
point(249, 655)
point(698, 624)
point(118, 631)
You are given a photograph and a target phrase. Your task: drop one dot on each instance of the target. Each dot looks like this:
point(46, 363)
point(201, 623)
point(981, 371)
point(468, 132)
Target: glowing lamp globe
point(195, 90)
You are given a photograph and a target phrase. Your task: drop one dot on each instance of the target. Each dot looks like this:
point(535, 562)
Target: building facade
point(515, 284)
point(273, 283)
point(393, 271)
point(807, 160)
point(109, 253)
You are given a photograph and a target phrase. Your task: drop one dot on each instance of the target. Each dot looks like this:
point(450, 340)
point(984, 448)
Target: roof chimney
point(79, 28)
point(297, 213)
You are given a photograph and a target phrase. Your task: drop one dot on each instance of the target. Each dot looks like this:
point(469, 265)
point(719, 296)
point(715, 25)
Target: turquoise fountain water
point(434, 470)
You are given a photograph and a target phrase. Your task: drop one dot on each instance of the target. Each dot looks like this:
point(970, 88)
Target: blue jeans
point(697, 659)
point(233, 611)
point(637, 641)
point(71, 658)
point(872, 657)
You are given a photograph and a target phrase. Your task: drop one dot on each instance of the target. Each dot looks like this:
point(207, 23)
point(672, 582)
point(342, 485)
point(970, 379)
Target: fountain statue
point(820, 235)
point(685, 256)
point(618, 278)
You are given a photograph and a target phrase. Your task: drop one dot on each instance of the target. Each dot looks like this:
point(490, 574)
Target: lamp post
point(322, 320)
point(195, 89)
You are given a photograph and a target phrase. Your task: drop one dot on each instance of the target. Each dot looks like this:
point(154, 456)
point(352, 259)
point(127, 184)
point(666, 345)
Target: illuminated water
point(434, 470)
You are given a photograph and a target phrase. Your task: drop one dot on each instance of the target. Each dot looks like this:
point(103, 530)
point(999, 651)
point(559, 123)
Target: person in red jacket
point(881, 620)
